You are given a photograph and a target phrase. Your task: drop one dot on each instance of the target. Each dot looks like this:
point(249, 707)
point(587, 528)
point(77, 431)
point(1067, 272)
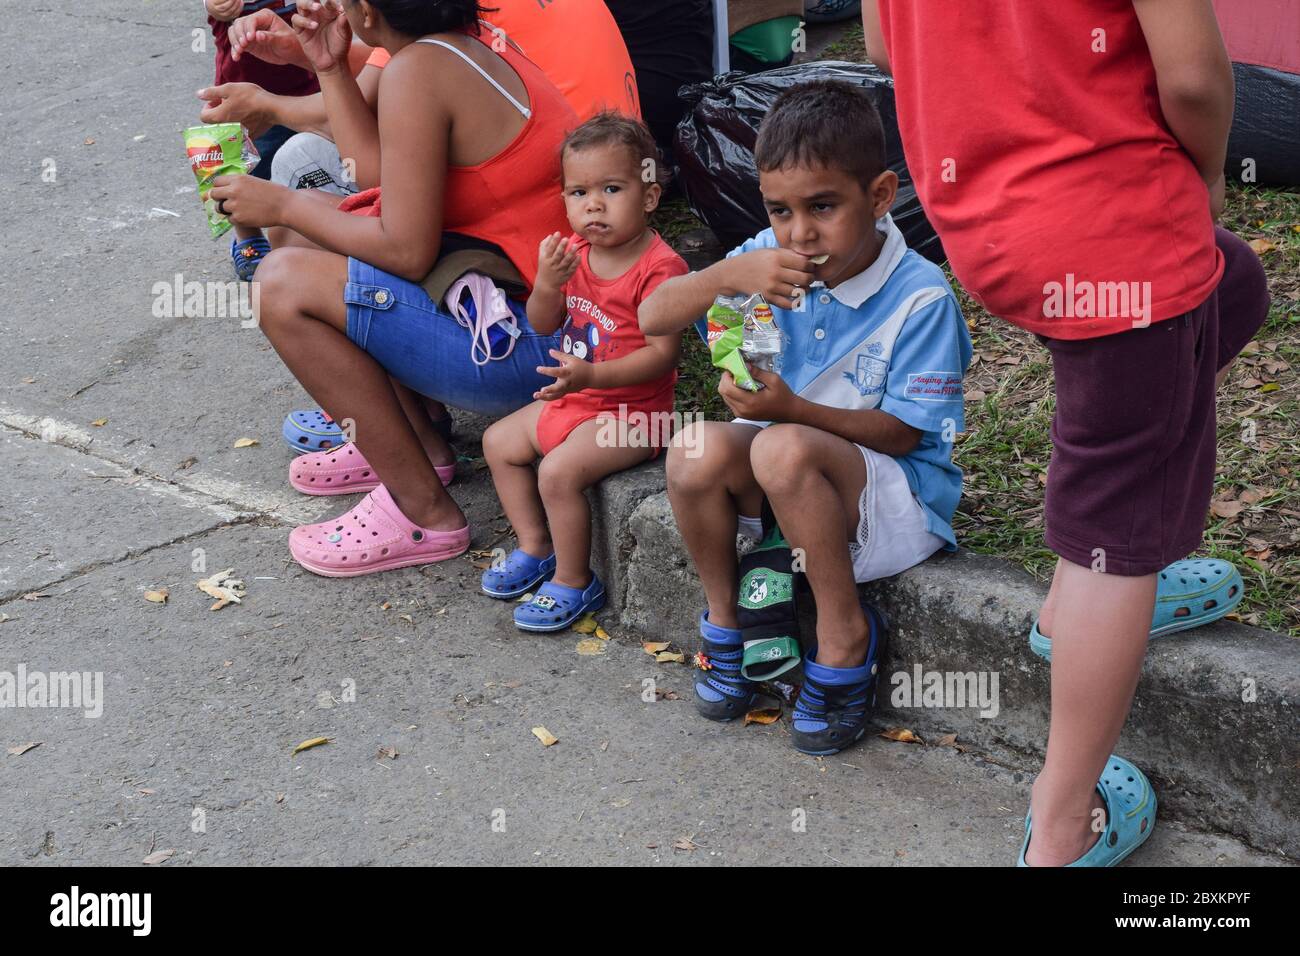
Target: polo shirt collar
point(857, 289)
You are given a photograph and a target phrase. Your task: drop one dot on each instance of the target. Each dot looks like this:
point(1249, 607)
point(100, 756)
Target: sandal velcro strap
point(770, 657)
point(766, 611)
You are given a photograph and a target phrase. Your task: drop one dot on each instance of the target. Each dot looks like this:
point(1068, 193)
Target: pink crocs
point(373, 536)
point(343, 471)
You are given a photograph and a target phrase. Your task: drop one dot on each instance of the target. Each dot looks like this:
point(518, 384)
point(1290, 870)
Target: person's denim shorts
point(428, 351)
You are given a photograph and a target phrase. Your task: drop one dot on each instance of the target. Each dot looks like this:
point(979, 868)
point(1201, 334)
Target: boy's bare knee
point(780, 456)
point(694, 461)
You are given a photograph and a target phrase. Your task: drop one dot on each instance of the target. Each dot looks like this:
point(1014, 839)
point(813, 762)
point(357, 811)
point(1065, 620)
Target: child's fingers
point(552, 372)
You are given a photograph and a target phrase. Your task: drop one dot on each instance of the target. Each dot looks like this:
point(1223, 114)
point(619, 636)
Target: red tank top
point(512, 199)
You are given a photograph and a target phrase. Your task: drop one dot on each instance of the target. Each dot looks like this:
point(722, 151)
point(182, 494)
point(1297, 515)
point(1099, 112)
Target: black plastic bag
point(715, 149)
point(1265, 138)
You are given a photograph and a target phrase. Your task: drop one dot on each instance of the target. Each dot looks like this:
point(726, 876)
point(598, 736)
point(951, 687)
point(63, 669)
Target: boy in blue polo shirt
point(850, 441)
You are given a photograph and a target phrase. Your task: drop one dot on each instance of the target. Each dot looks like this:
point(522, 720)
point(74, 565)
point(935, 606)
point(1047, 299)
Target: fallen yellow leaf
point(763, 715)
point(157, 597)
point(100, 422)
point(1261, 246)
point(670, 657)
point(902, 735)
point(545, 736)
point(602, 633)
point(590, 647)
point(585, 624)
point(308, 744)
point(654, 647)
point(246, 443)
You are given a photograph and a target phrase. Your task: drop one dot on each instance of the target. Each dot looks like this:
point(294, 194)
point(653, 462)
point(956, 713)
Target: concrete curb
point(1217, 760)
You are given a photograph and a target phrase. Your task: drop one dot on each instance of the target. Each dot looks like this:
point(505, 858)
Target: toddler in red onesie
point(613, 389)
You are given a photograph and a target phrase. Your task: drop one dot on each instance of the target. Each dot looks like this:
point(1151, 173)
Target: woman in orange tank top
point(469, 132)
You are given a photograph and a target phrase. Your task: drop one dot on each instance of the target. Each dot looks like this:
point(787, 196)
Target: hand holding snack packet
point(741, 331)
point(215, 151)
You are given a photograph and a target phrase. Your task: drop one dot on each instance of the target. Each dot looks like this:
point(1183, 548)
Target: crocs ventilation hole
point(1112, 839)
point(417, 536)
point(1143, 827)
point(1210, 605)
point(1232, 591)
point(385, 551)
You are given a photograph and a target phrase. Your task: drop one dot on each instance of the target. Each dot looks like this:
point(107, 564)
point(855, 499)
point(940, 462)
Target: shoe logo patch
point(762, 587)
point(544, 601)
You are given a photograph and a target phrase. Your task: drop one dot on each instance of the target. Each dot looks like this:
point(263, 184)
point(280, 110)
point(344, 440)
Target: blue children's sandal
point(721, 691)
point(518, 574)
point(1188, 594)
point(832, 708)
point(1130, 815)
point(557, 606)
point(247, 255)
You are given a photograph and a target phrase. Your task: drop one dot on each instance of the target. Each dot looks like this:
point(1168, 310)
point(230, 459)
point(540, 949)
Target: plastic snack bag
point(761, 343)
point(220, 150)
point(740, 328)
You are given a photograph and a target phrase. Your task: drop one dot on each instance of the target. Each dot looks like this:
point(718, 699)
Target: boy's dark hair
point(829, 123)
point(419, 17)
point(612, 128)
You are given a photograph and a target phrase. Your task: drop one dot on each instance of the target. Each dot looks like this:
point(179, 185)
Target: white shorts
point(309, 161)
point(891, 535)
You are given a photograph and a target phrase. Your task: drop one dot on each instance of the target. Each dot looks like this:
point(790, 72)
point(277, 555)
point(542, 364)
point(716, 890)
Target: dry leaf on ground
point(246, 443)
point(545, 736)
point(22, 748)
point(157, 597)
point(902, 735)
point(313, 742)
point(763, 715)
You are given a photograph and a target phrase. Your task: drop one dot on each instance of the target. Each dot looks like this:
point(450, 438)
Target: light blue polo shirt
point(892, 337)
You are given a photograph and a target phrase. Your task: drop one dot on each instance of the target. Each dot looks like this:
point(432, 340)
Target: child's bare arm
point(874, 37)
point(224, 10)
point(679, 301)
point(1194, 76)
point(655, 359)
point(557, 261)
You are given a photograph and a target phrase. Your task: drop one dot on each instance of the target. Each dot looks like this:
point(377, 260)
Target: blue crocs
point(310, 431)
point(313, 430)
point(557, 606)
point(721, 691)
point(247, 255)
point(1188, 594)
point(1130, 815)
point(832, 708)
point(517, 574)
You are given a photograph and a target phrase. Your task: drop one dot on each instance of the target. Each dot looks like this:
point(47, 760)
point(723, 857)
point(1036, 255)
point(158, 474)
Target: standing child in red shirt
point(613, 389)
point(1070, 156)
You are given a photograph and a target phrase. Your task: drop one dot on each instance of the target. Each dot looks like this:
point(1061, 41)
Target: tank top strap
point(523, 110)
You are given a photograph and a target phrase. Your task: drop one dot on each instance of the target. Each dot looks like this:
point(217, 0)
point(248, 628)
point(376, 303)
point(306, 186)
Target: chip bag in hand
point(734, 326)
point(220, 150)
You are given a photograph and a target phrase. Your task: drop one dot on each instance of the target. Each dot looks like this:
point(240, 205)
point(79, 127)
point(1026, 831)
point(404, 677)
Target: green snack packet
point(725, 331)
point(220, 150)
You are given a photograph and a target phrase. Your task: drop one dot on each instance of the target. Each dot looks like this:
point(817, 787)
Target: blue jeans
point(428, 351)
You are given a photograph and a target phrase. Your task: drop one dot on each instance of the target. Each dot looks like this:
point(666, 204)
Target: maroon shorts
point(1133, 440)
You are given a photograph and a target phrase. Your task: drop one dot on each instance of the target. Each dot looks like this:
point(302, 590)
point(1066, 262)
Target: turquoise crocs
point(517, 575)
point(1130, 815)
point(1188, 594)
point(557, 606)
